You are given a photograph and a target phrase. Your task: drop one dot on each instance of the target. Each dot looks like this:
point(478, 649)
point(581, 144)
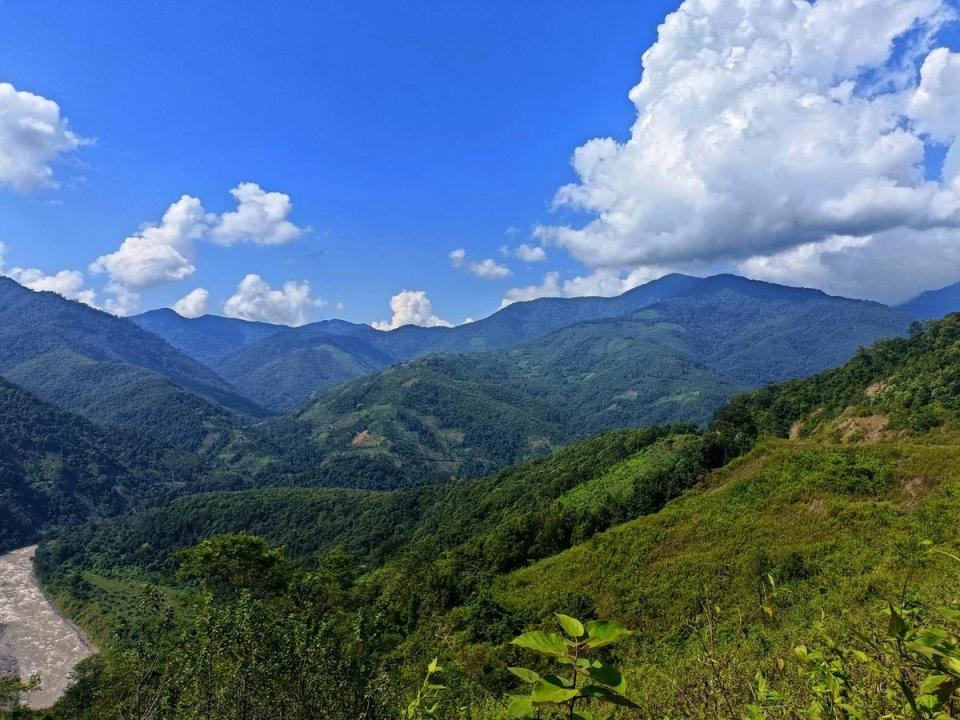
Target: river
point(34, 637)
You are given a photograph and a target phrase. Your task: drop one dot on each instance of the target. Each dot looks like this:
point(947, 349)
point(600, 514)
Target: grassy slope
point(835, 525)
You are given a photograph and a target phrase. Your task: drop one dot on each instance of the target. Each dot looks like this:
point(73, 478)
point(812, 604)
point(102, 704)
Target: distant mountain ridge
point(933, 304)
point(283, 368)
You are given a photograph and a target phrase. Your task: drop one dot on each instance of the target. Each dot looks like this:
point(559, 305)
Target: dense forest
point(793, 558)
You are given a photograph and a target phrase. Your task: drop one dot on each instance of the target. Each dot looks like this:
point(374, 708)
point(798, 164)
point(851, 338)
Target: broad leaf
point(528, 676)
point(542, 642)
point(571, 626)
point(607, 675)
point(604, 632)
point(520, 707)
point(549, 693)
point(605, 694)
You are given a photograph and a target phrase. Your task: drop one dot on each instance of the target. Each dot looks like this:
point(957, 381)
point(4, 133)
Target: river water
point(34, 637)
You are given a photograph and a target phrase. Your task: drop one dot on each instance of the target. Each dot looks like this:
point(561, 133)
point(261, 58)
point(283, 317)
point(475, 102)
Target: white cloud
point(764, 127)
point(159, 253)
point(602, 282)
point(122, 301)
point(32, 136)
point(166, 251)
point(411, 307)
point(890, 267)
point(70, 284)
point(550, 287)
point(256, 300)
point(193, 304)
point(935, 106)
point(488, 269)
point(530, 253)
point(260, 217)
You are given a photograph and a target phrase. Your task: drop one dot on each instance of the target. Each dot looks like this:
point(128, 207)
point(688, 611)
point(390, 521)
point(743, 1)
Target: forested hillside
point(803, 513)
point(463, 415)
point(58, 469)
point(112, 372)
point(789, 332)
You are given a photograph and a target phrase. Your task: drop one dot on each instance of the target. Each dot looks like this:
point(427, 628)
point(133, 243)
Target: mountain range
point(351, 406)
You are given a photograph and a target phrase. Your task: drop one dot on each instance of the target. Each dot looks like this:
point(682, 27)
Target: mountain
point(111, 371)
point(678, 360)
point(208, 338)
point(58, 469)
point(796, 520)
point(933, 304)
point(286, 368)
point(285, 374)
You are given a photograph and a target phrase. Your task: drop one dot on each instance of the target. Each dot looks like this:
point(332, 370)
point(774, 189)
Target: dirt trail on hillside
point(34, 637)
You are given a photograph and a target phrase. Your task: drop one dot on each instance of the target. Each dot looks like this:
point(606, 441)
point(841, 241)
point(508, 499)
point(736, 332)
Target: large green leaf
point(607, 675)
point(551, 690)
point(604, 632)
point(528, 676)
point(545, 643)
point(520, 707)
point(571, 626)
point(605, 694)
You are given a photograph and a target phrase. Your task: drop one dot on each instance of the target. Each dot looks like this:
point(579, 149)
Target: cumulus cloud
point(411, 307)
point(530, 253)
point(193, 304)
point(256, 300)
point(166, 251)
point(766, 130)
point(122, 301)
point(488, 269)
point(550, 287)
point(159, 253)
point(71, 284)
point(33, 135)
point(600, 283)
point(260, 217)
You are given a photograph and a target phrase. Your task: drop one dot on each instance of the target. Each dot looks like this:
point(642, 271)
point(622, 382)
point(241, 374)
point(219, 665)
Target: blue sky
point(401, 131)
point(404, 131)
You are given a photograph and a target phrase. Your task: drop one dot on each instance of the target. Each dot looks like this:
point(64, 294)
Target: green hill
point(111, 371)
point(208, 338)
point(286, 368)
point(464, 415)
point(58, 469)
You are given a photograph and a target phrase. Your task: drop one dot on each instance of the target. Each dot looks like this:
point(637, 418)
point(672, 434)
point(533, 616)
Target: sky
point(430, 162)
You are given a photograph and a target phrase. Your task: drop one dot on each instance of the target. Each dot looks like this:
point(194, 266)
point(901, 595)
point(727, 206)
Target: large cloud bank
point(784, 139)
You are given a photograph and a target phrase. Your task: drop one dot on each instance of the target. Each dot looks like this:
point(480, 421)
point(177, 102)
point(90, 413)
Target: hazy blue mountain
point(207, 338)
point(112, 371)
point(933, 304)
point(284, 375)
